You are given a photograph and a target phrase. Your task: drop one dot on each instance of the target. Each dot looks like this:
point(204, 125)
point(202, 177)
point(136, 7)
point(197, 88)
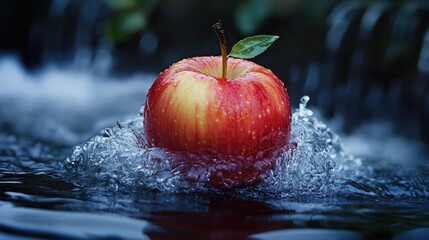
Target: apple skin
point(235, 126)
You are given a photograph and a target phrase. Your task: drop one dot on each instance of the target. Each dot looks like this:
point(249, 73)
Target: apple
point(232, 121)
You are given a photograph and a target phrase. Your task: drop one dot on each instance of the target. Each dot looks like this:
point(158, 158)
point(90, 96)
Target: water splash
point(314, 165)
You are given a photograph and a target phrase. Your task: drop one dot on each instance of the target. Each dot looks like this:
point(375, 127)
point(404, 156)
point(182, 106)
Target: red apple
point(227, 124)
point(241, 121)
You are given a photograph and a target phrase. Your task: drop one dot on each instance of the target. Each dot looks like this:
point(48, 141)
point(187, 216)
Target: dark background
point(360, 60)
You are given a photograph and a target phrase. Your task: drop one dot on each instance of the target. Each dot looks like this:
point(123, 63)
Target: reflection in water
point(297, 234)
point(45, 225)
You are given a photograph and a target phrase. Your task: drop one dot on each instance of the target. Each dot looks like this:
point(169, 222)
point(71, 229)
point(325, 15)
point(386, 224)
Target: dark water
point(370, 184)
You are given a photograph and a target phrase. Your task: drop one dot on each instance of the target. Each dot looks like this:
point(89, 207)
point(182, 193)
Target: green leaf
point(252, 46)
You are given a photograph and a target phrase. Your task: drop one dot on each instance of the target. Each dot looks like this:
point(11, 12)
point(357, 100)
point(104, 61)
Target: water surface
point(69, 171)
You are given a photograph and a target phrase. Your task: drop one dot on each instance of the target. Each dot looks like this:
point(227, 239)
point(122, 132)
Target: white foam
point(379, 140)
point(66, 105)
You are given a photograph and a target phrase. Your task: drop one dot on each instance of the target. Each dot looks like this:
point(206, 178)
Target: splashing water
point(314, 165)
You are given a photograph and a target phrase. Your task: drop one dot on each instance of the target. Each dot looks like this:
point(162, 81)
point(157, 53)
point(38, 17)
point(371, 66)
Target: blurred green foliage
point(128, 17)
point(251, 14)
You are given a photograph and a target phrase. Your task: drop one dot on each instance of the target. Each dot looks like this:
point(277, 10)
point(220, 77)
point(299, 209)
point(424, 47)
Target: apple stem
point(220, 32)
